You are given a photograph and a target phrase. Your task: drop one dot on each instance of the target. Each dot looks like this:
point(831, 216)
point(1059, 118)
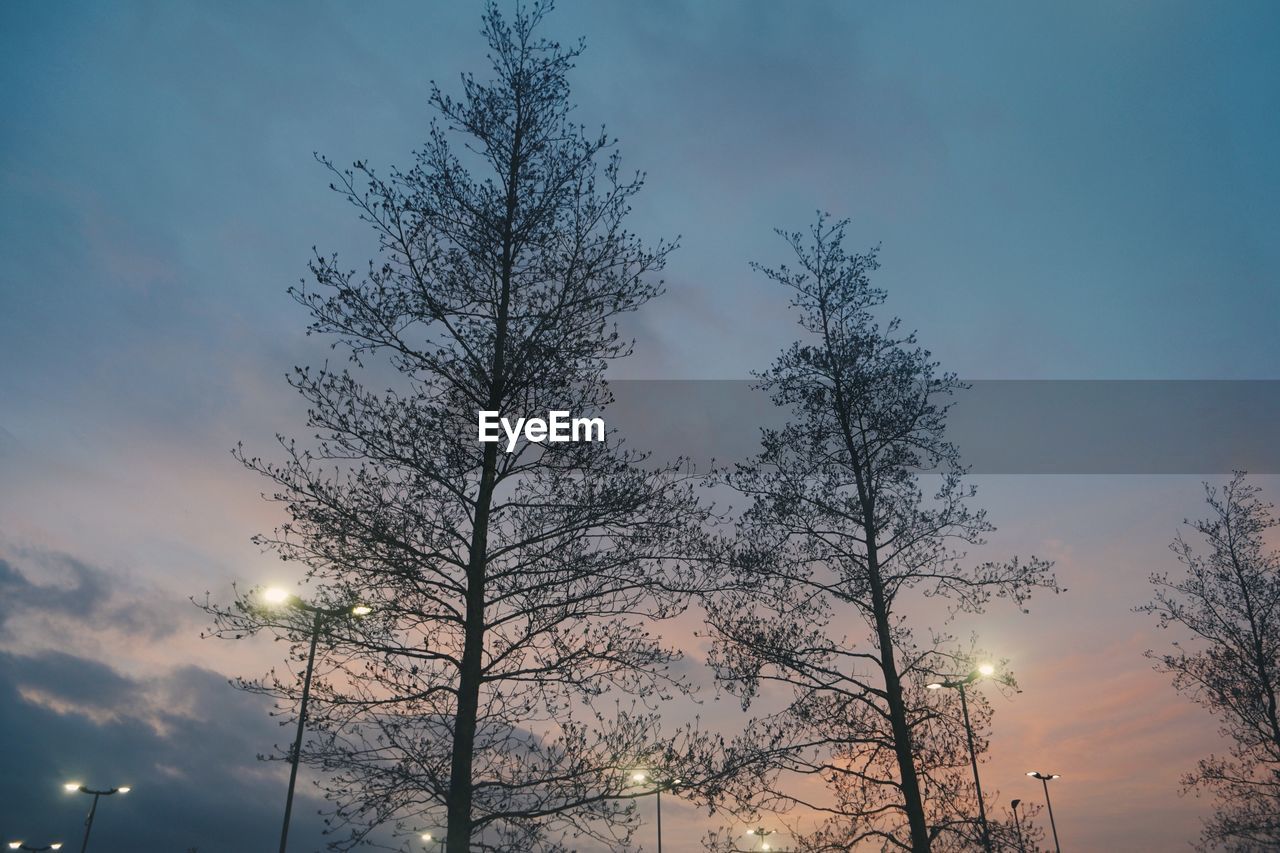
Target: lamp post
point(278, 597)
point(18, 845)
point(1045, 778)
point(960, 684)
point(93, 809)
point(659, 787)
point(1022, 847)
point(762, 833)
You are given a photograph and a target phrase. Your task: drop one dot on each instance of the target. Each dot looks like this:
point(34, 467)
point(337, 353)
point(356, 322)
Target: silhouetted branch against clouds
point(1224, 604)
point(838, 535)
point(508, 591)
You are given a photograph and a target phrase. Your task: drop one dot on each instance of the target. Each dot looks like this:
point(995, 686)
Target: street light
point(1045, 778)
point(1022, 847)
point(428, 838)
point(18, 845)
point(279, 597)
point(762, 833)
point(72, 787)
point(659, 786)
point(983, 670)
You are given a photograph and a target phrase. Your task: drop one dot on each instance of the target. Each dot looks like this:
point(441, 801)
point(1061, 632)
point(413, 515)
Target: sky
point(1081, 191)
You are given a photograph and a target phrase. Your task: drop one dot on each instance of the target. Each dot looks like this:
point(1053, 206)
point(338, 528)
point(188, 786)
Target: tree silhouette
point(837, 534)
point(512, 594)
point(1227, 598)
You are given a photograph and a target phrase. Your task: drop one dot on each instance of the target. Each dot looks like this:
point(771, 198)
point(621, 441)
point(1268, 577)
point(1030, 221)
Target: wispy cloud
point(54, 587)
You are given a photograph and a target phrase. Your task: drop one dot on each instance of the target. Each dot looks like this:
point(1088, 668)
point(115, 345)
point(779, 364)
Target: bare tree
point(512, 593)
point(837, 535)
point(1227, 600)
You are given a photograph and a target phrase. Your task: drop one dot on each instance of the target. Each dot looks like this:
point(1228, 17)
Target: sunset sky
point(1086, 191)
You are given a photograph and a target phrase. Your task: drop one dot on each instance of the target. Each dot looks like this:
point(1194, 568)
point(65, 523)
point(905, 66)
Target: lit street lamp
point(960, 684)
point(18, 845)
point(659, 786)
point(1045, 778)
point(762, 833)
point(277, 597)
point(428, 838)
point(71, 787)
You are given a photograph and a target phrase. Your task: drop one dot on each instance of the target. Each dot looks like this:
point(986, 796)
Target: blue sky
point(1086, 190)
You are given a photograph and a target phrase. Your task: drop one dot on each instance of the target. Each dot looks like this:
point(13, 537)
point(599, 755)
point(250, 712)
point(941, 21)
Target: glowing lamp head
point(14, 845)
point(638, 777)
point(934, 686)
point(57, 846)
point(361, 610)
point(70, 786)
point(275, 595)
point(426, 836)
point(124, 789)
point(986, 669)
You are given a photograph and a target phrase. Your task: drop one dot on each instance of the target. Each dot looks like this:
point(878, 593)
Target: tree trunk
point(458, 830)
point(469, 676)
point(913, 802)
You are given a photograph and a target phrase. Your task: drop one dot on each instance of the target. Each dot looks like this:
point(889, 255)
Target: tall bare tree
point(512, 594)
point(1227, 601)
point(837, 537)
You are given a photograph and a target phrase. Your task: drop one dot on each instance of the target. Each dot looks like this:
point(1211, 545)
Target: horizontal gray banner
point(1201, 427)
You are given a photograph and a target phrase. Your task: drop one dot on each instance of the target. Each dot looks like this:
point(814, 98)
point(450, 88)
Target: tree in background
point(1227, 600)
point(512, 594)
point(838, 535)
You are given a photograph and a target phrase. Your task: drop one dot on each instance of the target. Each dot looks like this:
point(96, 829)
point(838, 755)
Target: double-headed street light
point(659, 785)
point(1045, 779)
point(18, 845)
point(76, 787)
point(277, 597)
point(982, 671)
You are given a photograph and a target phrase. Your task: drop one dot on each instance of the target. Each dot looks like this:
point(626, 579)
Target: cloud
point(63, 587)
point(191, 763)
